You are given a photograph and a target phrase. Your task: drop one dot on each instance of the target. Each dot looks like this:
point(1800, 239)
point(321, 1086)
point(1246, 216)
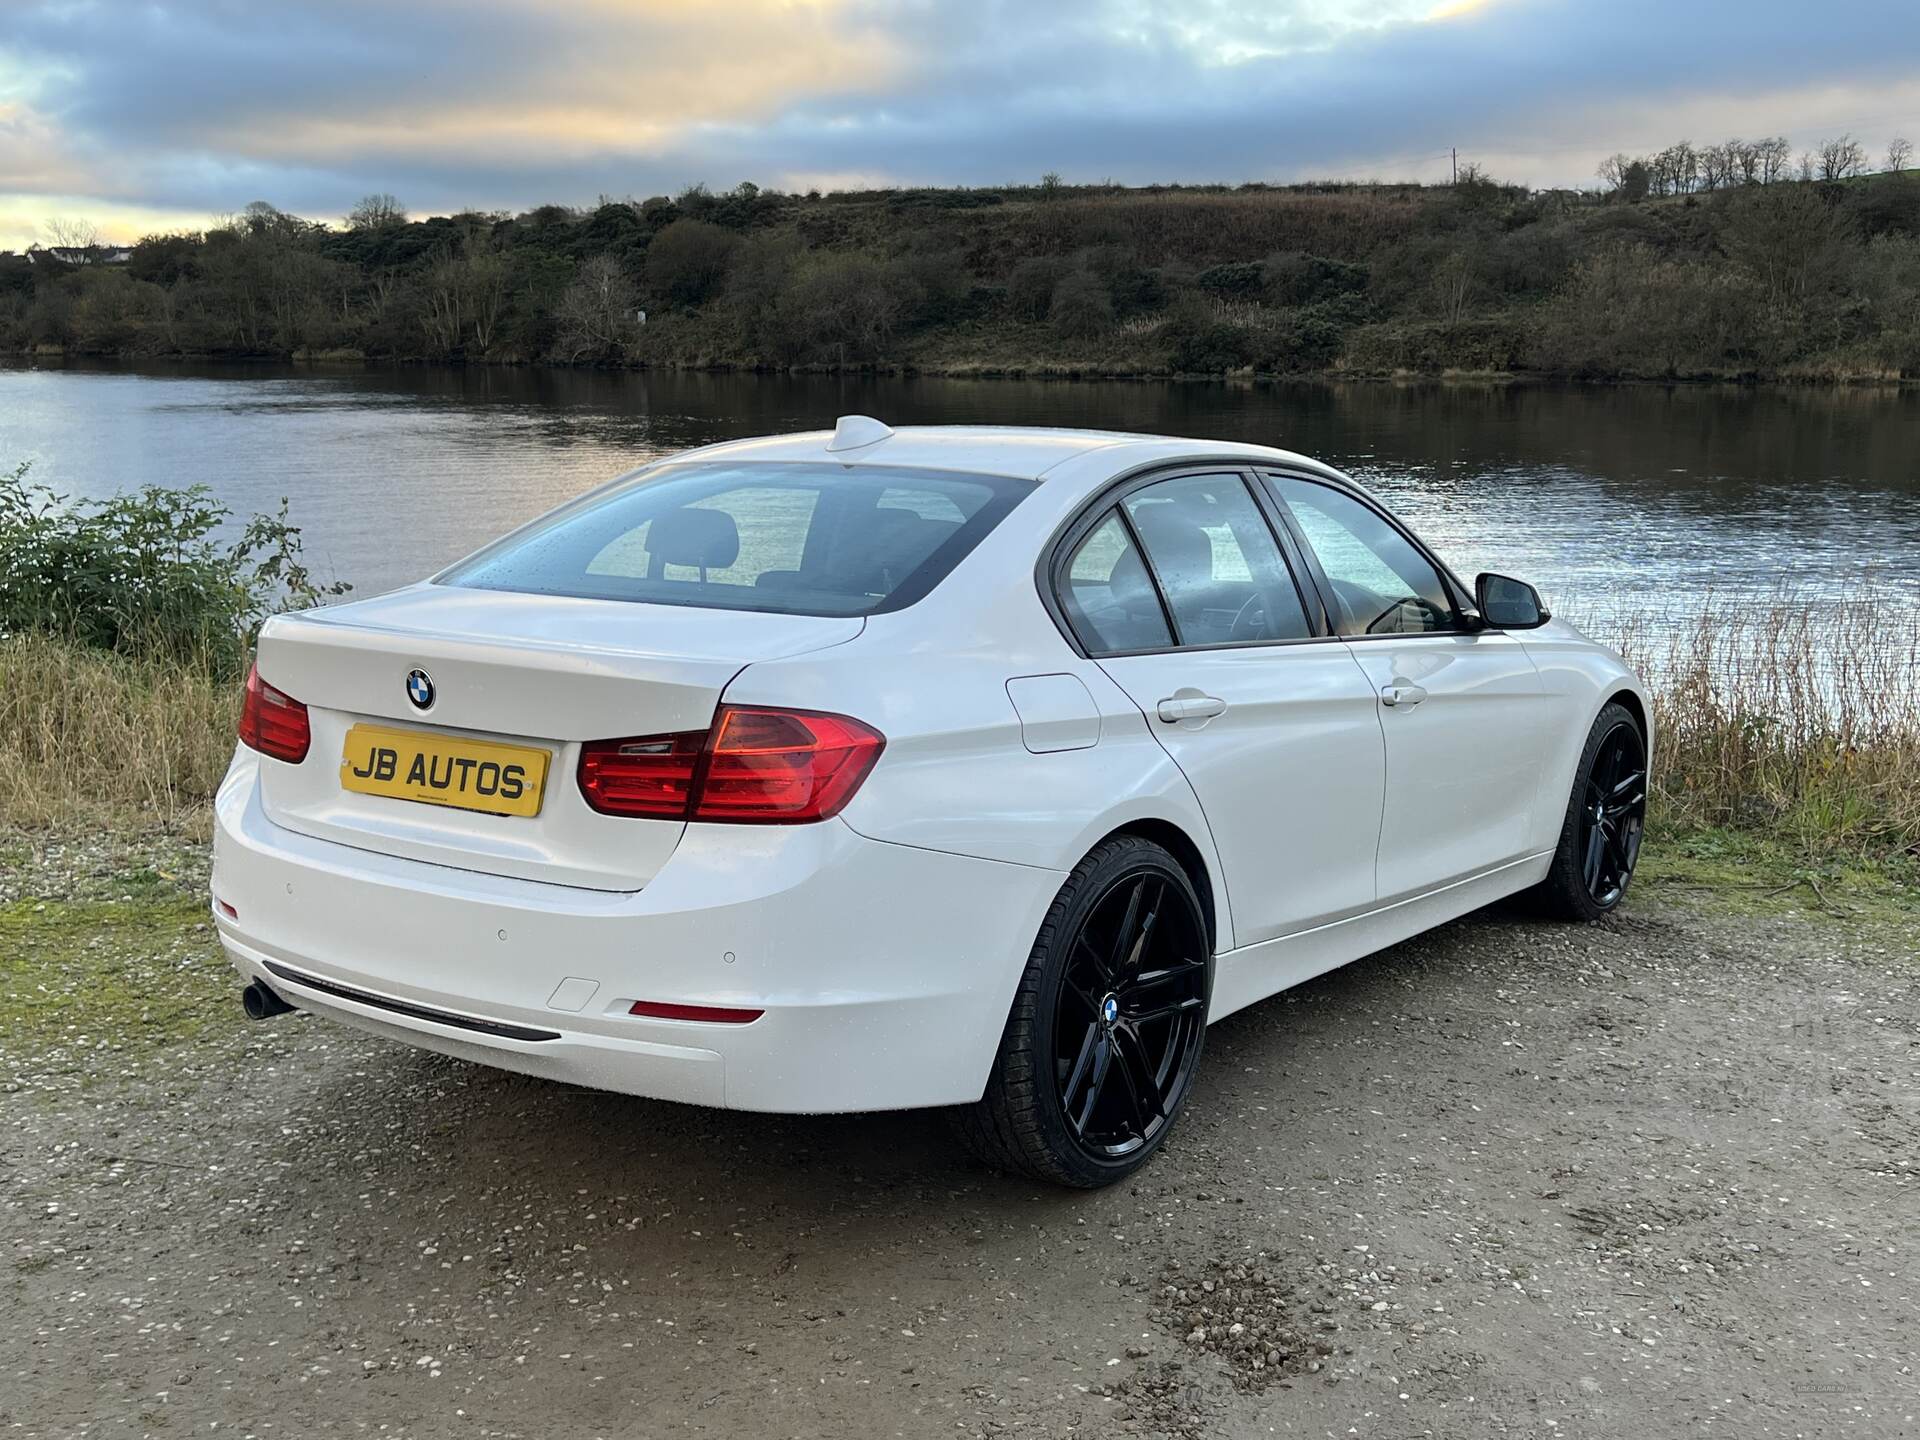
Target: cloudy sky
point(155, 114)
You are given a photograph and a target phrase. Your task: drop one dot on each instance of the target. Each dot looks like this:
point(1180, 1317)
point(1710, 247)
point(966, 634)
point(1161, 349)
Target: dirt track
point(1509, 1179)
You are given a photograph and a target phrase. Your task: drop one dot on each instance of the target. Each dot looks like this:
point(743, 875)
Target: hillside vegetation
point(1791, 279)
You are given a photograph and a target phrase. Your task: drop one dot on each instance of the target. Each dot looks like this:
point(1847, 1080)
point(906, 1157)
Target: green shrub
point(1239, 280)
point(1030, 285)
point(1436, 345)
point(1081, 307)
point(1296, 278)
point(1198, 343)
point(687, 261)
point(140, 573)
point(1300, 340)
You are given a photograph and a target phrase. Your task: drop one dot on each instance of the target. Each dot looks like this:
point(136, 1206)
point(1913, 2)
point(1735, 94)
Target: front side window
point(1217, 562)
point(803, 539)
point(1382, 584)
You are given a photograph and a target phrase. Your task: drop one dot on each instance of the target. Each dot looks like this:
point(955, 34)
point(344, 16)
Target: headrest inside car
point(706, 538)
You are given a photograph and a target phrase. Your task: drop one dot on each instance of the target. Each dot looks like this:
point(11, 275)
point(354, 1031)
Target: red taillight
point(762, 767)
point(641, 777)
point(713, 1014)
point(774, 765)
point(273, 722)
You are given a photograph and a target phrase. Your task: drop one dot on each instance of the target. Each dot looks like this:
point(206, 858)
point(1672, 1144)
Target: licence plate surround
point(401, 764)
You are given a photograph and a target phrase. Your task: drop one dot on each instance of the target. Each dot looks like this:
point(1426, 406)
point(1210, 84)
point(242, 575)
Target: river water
point(1604, 497)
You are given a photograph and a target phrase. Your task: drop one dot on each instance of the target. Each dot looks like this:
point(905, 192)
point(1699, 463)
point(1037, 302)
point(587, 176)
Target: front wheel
point(1107, 1026)
point(1606, 816)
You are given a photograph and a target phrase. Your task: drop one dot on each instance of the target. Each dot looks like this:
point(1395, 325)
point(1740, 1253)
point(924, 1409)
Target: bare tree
point(488, 280)
point(1453, 287)
point(375, 211)
point(446, 297)
point(1899, 152)
point(1683, 167)
point(1791, 240)
point(1719, 164)
point(1613, 172)
point(1774, 153)
point(69, 232)
point(466, 293)
point(1675, 170)
point(596, 310)
point(1841, 159)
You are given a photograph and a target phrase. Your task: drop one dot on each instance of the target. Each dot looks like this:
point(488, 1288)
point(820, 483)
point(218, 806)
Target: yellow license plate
point(444, 770)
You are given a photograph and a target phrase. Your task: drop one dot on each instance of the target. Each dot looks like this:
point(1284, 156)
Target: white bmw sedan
point(933, 767)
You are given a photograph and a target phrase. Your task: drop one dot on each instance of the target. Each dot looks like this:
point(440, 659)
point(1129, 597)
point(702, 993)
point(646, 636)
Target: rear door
point(1182, 593)
point(1464, 713)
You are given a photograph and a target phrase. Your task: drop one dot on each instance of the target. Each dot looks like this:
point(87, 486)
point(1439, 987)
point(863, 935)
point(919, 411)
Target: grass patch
point(86, 983)
point(1747, 873)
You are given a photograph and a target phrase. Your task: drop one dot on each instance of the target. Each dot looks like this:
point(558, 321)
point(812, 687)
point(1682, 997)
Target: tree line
point(1684, 169)
point(1726, 260)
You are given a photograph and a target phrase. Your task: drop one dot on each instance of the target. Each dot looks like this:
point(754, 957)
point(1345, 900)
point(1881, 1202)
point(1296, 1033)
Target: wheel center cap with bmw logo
point(420, 689)
point(1110, 1009)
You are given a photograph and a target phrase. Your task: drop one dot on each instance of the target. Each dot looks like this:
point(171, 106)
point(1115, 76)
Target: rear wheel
point(1606, 816)
point(1107, 1026)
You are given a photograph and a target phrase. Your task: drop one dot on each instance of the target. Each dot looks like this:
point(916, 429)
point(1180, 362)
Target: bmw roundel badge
point(420, 689)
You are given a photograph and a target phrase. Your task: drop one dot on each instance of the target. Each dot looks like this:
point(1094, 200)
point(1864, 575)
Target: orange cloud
point(608, 75)
point(24, 217)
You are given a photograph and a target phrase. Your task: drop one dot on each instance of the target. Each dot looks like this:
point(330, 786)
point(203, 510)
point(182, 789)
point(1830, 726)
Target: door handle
point(1189, 705)
point(1402, 695)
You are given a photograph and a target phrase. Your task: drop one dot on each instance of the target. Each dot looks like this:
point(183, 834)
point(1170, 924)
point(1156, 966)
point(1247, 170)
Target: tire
point(1107, 1025)
point(1613, 800)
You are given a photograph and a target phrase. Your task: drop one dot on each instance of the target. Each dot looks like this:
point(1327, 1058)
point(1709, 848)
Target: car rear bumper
point(884, 971)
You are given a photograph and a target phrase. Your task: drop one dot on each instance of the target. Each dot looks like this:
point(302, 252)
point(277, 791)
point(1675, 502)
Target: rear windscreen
point(801, 539)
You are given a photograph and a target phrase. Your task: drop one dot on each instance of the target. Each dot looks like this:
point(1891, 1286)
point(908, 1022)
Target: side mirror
point(1509, 604)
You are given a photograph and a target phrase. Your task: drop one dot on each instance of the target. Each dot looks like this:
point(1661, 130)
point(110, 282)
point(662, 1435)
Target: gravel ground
point(1652, 1179)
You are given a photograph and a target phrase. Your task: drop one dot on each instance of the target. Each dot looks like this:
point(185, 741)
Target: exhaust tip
point(261, 1002)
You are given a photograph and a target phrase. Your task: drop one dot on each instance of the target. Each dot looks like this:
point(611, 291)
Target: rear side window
point(1110, 597)
point(800, 539)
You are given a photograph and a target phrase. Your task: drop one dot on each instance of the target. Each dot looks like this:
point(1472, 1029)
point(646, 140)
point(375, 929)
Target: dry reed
point(1790, 716)
point(89, 737)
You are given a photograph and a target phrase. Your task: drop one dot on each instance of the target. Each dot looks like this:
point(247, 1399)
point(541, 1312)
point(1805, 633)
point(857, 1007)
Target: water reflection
point(1651, 493)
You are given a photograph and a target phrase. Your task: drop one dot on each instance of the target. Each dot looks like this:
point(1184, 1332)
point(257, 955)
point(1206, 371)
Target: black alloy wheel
point(1613, 812)
point(1605, 820)
point(1128, 1021)
point(1107, 1027)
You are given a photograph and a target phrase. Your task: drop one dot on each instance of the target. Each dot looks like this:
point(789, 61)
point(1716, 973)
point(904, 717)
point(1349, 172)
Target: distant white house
point(79, 254)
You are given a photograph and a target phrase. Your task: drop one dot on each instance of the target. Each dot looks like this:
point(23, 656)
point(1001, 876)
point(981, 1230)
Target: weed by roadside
point(1738, 871)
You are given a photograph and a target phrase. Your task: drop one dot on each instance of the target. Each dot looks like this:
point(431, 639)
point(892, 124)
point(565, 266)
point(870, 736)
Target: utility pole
point(1455, 156)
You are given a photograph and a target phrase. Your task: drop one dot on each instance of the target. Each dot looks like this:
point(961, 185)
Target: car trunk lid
point(539, 673)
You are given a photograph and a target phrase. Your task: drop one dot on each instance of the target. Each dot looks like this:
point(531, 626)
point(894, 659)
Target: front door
point(1464, 714)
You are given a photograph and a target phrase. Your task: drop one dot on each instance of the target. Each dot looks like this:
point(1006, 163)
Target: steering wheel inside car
point(1251, 621)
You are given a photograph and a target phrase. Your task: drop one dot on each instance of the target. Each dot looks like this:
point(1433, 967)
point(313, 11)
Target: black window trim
point(1051, 571)
point(1458, 596)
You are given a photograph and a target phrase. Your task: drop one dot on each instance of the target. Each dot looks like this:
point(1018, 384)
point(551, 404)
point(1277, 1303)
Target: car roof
point(1018, 451)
